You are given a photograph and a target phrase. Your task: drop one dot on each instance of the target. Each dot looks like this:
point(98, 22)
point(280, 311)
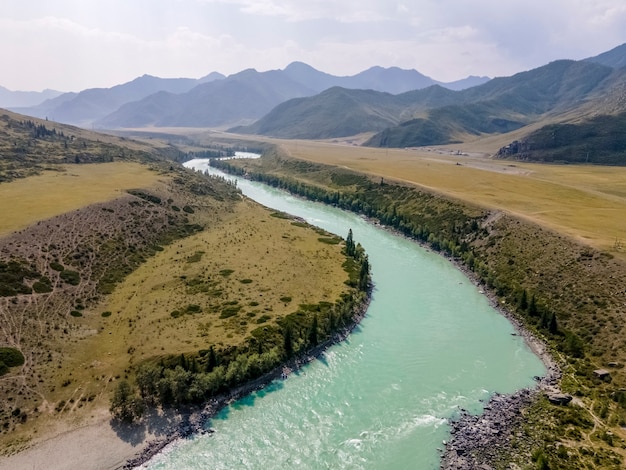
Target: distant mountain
point(464, 83)
point(503, 104)
point(89, 105)
point(242, 97)
point(392, 80)
point(615, 58)
point(11, 99)
point(436, 115)
point(247, 96)
point(336, 112)
point(340, 112)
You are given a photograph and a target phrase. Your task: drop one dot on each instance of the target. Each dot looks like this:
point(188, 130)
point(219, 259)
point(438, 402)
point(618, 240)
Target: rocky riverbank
point(477, 441)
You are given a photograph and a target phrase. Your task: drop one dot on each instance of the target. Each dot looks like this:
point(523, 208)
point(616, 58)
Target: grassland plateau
point(117, 262)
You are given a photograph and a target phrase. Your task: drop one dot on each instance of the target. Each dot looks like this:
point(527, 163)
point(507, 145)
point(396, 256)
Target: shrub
point(76, 313)
point(57, 266)
point(188, 209)
point(71, 277)
point(105, 314)
point(196, 257)
point(193, 308)
point(41, 287)
point(230, 311)
point(11, 357)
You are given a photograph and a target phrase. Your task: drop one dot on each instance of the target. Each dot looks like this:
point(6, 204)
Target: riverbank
point(477, 440)
point(193, 421)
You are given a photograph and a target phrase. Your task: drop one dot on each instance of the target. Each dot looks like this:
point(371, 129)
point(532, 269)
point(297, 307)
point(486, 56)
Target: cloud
point(72, 44)
point(346, 11)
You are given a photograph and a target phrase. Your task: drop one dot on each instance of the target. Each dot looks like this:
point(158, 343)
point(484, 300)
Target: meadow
point(585, 202)
point(66, 188)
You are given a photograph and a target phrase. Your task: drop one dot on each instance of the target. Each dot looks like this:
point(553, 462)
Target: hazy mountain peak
point(615, 58)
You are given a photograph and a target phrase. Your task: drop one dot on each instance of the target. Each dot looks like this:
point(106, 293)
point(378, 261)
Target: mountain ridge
point(111, 107)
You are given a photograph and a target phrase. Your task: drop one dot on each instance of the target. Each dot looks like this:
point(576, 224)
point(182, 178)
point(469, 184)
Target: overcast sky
point(70, 45)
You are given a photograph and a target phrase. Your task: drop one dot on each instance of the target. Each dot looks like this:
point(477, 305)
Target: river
point(430, 345)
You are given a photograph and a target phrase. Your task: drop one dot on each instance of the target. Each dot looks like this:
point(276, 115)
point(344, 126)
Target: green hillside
point(562, 89)
point(336, 112)
point(502, 105)
point(599, 140)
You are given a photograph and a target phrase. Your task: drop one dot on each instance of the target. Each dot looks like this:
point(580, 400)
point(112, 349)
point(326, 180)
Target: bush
point(71, 277)
point(57, 266)
point(42, 287)
point(230, 311)
point(11, 357)
point(76, 313)
point(105, 314)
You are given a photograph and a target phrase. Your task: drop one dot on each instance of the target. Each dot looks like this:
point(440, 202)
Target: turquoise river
point(429, 345)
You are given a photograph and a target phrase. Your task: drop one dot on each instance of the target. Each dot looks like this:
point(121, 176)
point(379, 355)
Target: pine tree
point(313, 340)
point(350, 247)
point(288, 341)
point(212, 360)
point(533, 311)
point(364, 275)
point(523, 302)
point(553, 327)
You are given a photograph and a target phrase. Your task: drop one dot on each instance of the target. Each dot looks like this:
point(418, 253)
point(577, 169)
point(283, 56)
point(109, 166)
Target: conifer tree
point(350, 247)
point(313, 340)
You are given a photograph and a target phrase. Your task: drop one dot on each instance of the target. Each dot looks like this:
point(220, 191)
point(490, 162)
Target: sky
point(71, 45)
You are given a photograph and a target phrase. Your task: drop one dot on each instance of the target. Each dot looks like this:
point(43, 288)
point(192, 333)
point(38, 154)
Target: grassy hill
point(109, 265)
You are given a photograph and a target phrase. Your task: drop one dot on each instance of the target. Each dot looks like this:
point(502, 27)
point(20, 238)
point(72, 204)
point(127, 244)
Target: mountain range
point(216, 100)
point(561, 91)
point(395, 107)
point(12, 99)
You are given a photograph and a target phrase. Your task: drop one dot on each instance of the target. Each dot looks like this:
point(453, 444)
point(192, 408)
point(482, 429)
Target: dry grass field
point(587, 203)
point(68, 187)
point(252, 263)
